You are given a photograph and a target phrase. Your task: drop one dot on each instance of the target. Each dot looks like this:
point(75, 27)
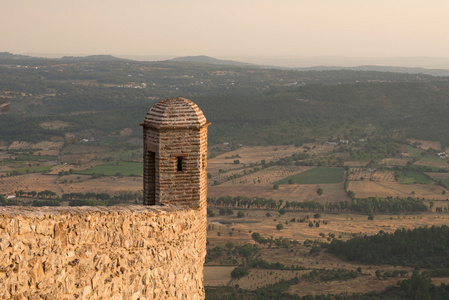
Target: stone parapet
point(122, 252)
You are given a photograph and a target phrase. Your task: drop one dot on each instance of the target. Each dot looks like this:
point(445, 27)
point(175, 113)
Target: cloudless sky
point(227, 28)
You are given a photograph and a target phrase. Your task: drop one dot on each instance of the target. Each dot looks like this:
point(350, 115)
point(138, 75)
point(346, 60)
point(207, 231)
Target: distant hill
point(93, 58)
point(210, 60)
point(433, 72)
point(214, 61)
point(7, 55)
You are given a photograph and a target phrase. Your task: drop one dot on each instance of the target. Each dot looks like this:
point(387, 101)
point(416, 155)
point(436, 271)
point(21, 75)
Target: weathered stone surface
point(125, 252)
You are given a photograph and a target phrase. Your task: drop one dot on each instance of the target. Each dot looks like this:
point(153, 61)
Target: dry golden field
point(367, 188)
point(293, 192)
point(394, 161)
point(217, 275)
point(109, 184)
point(356, 163)
point(80, 183)
point(437, 163)
point(255, 154)
point(438, 175)
point(30, 182)
point(369, 174)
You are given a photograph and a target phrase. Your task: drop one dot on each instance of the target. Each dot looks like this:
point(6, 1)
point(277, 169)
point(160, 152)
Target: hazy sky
point(230, 28)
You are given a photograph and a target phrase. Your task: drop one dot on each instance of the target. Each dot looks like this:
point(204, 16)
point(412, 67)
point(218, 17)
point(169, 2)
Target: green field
point(316, 176)
point(411, 177)
point(38, 169)
point(434, 159)
point(37, 157)
point(116, 168)
point(414, 152)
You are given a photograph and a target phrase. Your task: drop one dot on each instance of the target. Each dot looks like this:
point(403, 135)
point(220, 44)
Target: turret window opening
point(179, 164)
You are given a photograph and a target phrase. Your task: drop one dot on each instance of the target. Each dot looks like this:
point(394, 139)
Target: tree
point(239, 272)
point(291, 181)
point(210, 212)
point(319, 191)
point(282, 211)
point(236, 162)
point(279, 226)
point(222, 211)
point(351, 194)
point(230, 245)
point(240, 214)
point(276, 186)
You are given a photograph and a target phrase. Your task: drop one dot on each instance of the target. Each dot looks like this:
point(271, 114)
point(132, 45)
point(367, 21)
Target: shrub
point(239, 272)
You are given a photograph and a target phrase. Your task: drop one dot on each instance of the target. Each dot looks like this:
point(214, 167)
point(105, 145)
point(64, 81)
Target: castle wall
point(124, 252)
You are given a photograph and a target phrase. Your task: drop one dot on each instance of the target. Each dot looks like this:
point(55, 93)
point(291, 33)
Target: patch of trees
point(387, 204)
point(226, 211)
point(330, 275)
point(420, 248)
point(243, 202)
point(40, 203)
point(366, 205)
point(8, 202)
point(280, 242)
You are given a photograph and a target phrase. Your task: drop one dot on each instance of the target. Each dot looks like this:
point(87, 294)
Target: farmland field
point(37, 157)
point(367, 188)
point(411, 177)
point(29, 182)
point(255, 155)
point(116, 168)
point(318, 175)
point(367, 174)
point(109, 184)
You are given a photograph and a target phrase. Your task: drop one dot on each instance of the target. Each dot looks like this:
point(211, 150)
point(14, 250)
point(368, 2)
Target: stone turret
point(175, 157)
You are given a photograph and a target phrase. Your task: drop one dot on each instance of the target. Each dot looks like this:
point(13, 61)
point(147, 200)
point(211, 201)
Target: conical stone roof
point(175, 113)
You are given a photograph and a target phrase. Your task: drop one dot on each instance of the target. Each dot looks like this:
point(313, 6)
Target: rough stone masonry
point(155, 251)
